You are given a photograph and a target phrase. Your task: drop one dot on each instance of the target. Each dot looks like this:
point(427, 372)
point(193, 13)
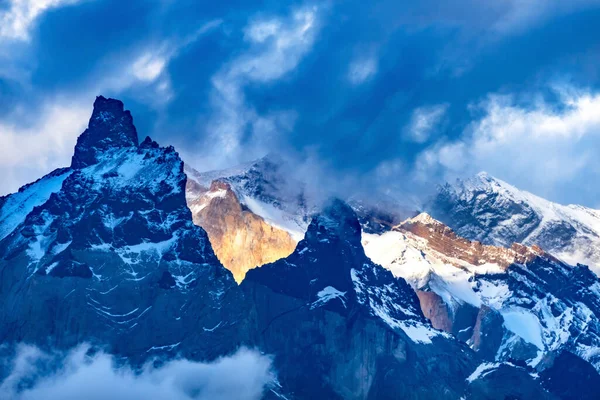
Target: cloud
point(30, 151)
point(17, 20)
point(362, 69)
point(149, 66)
point(424, 121)
point(521, 15)
point(31, 147)
point(236, 131)
point(147, 74)
point(79, 375)
point(550, 149)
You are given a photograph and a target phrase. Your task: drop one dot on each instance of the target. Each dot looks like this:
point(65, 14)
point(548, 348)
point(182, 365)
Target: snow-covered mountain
point(491, 211)
point(509, 304)
point(342, 327)
point(106, 252)
point(256, 213)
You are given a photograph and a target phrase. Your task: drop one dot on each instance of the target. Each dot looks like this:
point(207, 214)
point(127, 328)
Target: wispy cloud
point(17, 20)
point(424, 121)
point(275, 48)
point(520, 15)
point(362, 69)
point(29, 151)
point(148, 69)
point(549, 149)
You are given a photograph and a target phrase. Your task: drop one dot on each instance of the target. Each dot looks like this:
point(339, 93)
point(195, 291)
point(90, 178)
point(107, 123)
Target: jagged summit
point(331, 259)
point(107, 251)
point(111, 126)
point(337, 221)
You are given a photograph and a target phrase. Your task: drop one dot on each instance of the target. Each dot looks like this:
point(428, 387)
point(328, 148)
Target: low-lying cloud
point(35, 374)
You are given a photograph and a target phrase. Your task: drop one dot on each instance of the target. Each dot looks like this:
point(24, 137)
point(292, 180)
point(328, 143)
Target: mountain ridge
point(494, 212)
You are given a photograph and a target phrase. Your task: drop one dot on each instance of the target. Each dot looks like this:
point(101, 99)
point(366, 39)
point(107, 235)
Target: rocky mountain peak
point(337, 221)
point(111, 126)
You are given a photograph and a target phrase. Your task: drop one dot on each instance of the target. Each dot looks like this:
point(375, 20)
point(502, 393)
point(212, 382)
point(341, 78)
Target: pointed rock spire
point(110, 127)
point(337, 220)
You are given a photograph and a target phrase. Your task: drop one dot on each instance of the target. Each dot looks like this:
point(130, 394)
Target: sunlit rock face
point(241, 239)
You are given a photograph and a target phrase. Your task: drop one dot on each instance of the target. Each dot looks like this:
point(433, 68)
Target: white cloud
point(149, 69)
point(362, 69)
point(37, 138)
point(424, 121)
point(77, 375)
point(262, 30)
point(19, 17)
point(28, 152)
point(149, 66)
point(547, 149)
point(521, 15)
point(236, 130)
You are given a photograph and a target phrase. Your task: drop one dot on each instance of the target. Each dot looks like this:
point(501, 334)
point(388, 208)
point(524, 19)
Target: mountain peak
point(337, 220)
point(422, 218)
point(484, 175)
point(110, 126)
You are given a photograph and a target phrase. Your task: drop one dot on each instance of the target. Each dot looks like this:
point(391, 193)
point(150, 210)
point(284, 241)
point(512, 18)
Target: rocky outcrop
point(443, 239)
point(110, 127)
point(241, 239)
point(435, 310)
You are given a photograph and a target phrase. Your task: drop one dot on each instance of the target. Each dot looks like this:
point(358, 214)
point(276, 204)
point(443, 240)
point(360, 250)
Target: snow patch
point(327, 294)
point(525, 325)
point(482, 370)
point(19, 205)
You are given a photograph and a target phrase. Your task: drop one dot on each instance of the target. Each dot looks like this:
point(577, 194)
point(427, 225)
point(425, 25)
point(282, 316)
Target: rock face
point(443, 239)
point(493, 212)
point(508, 304)
point(110, 127)
point(241, 239)
point(106, 251)
point(263, 188)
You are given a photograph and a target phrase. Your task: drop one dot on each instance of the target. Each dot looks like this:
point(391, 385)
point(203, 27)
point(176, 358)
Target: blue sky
point(387, 94)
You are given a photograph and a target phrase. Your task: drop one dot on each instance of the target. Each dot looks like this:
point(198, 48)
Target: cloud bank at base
point(33, 375)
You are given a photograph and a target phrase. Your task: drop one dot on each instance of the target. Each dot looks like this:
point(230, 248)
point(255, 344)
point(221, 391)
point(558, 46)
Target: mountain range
point(479, 295)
